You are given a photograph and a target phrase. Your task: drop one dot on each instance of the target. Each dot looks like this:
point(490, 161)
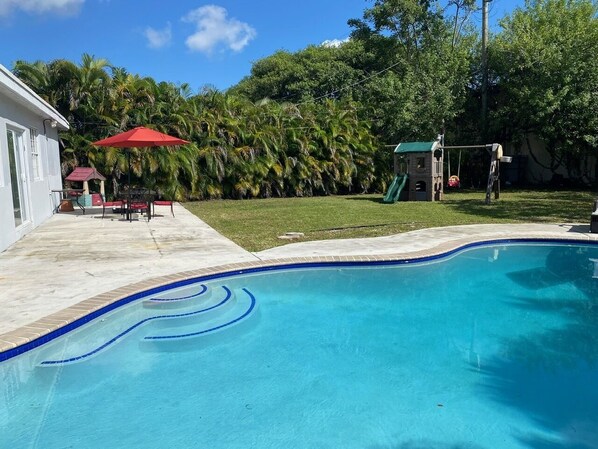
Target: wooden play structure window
point(420, 163)
point(421, 191)
point(403, 165)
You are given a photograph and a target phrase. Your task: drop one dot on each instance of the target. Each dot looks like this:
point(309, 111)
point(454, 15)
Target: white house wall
point(536, 169)
point(41, 203)
point(537, 173)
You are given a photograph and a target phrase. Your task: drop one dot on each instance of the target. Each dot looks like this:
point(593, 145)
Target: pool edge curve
point(46, 329)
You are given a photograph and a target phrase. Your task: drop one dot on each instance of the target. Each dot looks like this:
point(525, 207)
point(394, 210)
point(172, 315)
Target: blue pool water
point(493, 347)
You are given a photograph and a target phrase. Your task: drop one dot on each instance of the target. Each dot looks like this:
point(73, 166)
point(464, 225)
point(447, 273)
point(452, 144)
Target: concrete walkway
point(72, 257)
point(75, 264)
point(423, 240)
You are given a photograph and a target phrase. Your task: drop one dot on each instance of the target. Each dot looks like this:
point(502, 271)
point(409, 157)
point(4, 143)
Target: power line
point(354, 84)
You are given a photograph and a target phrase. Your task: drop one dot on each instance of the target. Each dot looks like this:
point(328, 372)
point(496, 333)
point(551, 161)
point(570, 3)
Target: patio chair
point(111, 204)
point(140, 207)
point(162, 203)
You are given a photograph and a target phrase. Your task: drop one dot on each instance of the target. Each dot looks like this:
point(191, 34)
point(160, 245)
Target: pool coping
point(30, 336)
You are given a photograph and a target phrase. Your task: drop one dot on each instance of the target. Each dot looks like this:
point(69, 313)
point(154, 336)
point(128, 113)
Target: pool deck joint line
point(55, 295)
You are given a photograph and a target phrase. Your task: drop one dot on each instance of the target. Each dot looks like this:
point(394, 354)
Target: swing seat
point(454, 182)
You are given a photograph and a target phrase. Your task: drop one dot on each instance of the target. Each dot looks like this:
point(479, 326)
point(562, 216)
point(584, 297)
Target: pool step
point(242, 306)
point(196, 333)
point(92, 340)
point(180, 298)
point(219, 307)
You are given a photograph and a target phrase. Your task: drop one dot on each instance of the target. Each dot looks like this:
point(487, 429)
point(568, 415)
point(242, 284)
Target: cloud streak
point(335, 43)
point(62, 7)
point(158, 38)
point(216, 31)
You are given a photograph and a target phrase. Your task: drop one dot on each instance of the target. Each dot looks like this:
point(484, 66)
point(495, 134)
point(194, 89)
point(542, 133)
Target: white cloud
point(216, 30)
point(334, 42)
point(65, 7)
point(158, 38)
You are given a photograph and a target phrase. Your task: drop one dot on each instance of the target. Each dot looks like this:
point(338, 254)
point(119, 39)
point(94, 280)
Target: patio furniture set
point(136, 201)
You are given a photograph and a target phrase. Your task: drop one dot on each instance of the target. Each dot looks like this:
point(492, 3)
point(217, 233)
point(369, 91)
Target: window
point(421, 162)
point(403, 167)
point(36, 160)
point(420, 186)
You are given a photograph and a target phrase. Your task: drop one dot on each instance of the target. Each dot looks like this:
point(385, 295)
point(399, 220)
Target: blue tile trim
point(10, 353)
point(204, 288)
point(135, 326)
point(212, 329)
point(21, 349)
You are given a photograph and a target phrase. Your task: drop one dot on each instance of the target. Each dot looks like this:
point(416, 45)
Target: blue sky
point(192, 41)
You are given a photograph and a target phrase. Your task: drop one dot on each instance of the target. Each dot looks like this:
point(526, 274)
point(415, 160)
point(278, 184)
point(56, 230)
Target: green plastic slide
point(394, 191)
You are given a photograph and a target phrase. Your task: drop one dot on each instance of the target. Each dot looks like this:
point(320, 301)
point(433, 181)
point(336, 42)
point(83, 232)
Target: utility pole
point(484, 67)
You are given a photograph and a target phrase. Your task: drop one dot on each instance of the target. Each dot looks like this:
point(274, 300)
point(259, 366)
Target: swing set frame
point(495, 151)
point(496, 154)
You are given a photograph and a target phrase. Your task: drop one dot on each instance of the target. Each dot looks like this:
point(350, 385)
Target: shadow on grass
point(371, 199)
point(552, 376)
point(528, 206)
point(520, 205)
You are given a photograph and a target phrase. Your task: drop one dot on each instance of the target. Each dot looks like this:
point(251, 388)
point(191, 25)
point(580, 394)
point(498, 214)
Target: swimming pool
point(493, 347)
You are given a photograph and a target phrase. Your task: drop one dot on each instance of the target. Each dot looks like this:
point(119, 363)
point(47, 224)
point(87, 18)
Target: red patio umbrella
point(138, 138)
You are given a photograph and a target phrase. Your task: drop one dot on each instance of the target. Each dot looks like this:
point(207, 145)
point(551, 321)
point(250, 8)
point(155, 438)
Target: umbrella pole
point(129, 186)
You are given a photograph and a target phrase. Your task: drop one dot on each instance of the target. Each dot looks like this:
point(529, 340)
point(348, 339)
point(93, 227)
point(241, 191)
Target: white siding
point(537, 171)
point(17, 114)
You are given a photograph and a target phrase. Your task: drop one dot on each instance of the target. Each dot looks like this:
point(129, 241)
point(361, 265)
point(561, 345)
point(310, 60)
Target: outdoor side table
point(66, 201)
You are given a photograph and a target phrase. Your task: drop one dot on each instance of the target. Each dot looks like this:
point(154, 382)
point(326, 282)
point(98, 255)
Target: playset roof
point(84, 174)
point(416, 147)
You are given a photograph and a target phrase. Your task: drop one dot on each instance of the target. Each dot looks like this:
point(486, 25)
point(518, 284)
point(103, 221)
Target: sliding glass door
point(18, 176)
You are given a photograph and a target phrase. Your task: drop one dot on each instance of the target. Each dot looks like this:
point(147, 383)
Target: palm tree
point(239, 149)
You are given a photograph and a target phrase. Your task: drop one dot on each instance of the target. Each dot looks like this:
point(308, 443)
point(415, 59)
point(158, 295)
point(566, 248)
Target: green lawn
point(256, 224)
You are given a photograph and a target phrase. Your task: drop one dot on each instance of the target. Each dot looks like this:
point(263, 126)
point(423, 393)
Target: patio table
point(65, 196)
point(135, 197)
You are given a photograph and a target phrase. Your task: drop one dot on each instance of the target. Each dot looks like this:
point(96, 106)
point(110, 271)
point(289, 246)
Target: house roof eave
point(17, 90)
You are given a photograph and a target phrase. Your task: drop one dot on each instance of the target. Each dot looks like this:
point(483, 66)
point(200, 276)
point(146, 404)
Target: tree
point(545, 64)
point(98, 104)
point(239, 148)
point(314, 72)
point(404, 72)
point(424, 55)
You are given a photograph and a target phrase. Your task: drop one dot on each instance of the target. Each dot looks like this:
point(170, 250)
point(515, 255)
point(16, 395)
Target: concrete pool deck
point(76, 264)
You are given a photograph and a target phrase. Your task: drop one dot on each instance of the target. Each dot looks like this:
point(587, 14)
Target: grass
point(256, 224)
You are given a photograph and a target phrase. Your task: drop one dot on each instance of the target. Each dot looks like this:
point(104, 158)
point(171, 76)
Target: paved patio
point(73, 257)
point(74, 264)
